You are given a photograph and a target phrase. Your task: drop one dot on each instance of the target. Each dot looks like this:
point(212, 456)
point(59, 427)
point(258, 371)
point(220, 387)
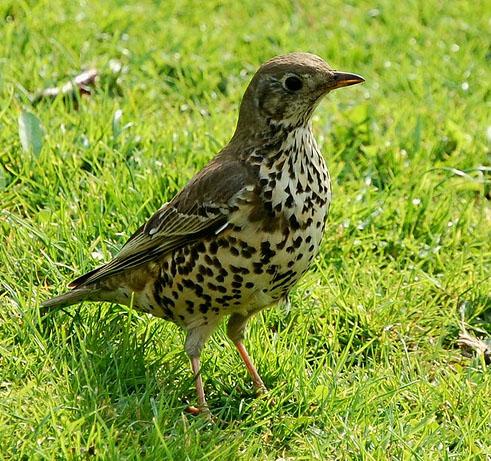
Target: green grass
point(365, 364)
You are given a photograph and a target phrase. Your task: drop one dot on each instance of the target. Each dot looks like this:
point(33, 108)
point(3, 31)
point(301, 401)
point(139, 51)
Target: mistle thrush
point(243, 230)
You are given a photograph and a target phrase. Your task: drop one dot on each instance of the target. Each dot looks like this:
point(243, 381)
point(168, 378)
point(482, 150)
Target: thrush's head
point(286, 89)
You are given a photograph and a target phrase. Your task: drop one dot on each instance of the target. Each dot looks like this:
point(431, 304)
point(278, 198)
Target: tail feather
point(67, 299)
point(83, 278)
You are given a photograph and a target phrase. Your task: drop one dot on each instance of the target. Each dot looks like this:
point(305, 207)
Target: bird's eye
point(293, 83)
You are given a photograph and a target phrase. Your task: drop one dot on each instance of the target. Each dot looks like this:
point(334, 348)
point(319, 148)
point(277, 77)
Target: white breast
point(310, 180)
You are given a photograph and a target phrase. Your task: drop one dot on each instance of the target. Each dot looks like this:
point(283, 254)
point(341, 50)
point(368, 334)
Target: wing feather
point(200, 210)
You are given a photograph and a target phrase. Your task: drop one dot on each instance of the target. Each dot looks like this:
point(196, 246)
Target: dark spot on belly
point(213, 247)
point(167, 301)
point(283, 279)
point(258, 268)
point(190, 307)
point(168, 314)
point(188, 283)
point(200, 247)
point(282, 275)
point(238, 269)
point(222, 243)
point(266, 252)
point(216, 262)
point(282, 244)
point(246, 253)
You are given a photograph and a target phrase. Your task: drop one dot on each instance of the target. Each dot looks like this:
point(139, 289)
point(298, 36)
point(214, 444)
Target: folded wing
point(198, 211)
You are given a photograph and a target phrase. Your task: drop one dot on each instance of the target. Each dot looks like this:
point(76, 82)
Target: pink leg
point(200, 391)
point(202, 405)
point(195, 341)
point(256, 379)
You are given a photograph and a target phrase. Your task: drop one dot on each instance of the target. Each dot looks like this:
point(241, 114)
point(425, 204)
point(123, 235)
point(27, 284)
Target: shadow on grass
point(126, 371)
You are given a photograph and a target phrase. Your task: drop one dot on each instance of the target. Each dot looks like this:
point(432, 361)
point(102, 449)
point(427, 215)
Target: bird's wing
point(201, 209)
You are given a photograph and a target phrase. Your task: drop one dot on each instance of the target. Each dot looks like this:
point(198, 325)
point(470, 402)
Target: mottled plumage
point(244, 229)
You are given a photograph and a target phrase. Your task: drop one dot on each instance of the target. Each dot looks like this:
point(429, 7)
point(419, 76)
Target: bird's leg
point(200, 391)
point(256, 379)
point(195, 341)
point(235, 331)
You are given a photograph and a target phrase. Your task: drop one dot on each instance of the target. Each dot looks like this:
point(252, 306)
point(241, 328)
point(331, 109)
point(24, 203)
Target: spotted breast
point(265, 247)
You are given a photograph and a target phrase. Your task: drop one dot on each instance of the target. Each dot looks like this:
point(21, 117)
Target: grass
point(365, 363)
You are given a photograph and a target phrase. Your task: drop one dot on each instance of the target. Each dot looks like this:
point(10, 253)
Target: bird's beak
point(344, 79)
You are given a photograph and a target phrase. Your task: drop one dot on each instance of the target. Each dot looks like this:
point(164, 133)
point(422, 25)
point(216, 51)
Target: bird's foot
point(261, 389)
point(262, 393)
point(203, 412)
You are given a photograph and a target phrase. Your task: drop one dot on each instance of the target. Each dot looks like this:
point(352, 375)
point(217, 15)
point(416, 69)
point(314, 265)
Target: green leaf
point(30, 133)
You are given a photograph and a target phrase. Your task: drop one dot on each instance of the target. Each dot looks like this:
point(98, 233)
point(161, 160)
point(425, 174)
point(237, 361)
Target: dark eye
point(293, 83)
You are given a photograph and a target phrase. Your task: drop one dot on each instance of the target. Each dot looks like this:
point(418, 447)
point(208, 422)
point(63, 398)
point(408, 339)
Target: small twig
point(469, 342)
point(80, 85)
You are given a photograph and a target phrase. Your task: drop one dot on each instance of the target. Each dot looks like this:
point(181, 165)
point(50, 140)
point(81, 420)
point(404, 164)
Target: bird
point(244, 229)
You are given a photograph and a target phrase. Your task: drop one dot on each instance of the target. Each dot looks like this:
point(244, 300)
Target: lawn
point(365, 362)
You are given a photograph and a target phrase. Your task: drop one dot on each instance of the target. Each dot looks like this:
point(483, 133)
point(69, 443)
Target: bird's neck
point(271, 137)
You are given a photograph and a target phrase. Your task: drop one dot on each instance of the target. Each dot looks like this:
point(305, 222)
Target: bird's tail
point(71, 297)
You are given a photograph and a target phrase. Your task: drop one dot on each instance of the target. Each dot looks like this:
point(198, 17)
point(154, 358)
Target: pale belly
point(240, 271)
